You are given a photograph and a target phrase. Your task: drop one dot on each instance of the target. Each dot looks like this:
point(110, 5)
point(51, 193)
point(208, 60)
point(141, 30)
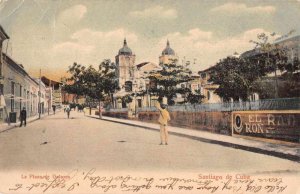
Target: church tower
point(167, 55)
point(125, 61)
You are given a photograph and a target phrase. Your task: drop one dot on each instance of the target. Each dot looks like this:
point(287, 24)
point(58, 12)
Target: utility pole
point(292, 49)
point(40, 94)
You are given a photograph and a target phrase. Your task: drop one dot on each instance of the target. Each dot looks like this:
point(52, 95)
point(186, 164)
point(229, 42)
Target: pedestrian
point(68, 110)
point(23, 116)
point(163, 119)
point(84, 110)
point(54, 108)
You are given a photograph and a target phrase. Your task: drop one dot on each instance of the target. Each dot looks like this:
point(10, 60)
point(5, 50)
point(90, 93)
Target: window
point(128, 86)
point(208, 95)
point(139, 103)
point(1, 89)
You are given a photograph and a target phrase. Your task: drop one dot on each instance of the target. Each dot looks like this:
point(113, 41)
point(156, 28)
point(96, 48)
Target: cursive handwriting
point(92, 180)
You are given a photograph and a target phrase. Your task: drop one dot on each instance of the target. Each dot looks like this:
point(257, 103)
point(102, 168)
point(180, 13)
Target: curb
point(295, 158)
point(15, 125)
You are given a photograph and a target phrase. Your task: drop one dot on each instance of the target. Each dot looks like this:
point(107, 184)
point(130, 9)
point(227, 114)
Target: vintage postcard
point(149, 96)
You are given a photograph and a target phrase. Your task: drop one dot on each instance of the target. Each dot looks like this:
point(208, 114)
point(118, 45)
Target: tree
point(167, 79)
point(127, 98)
point(238, 77)
point(94, 83)
point(195, 98)
point(274, 56)
point(233, 77)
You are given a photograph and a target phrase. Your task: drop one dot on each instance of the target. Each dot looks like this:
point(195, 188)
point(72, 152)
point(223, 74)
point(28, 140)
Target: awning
point(12, 97)
point(121, 94)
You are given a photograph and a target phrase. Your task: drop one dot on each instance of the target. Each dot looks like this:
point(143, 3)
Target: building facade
point(125, 62)
point(133, 79)
point(54, 90)
point(143, 84)
point(291, 45)
point(43, 98)
point(207, 88)
point(3, 37)
point(18, 90)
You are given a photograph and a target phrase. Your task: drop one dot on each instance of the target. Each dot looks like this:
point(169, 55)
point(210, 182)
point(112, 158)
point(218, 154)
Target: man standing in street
point(163, 119)
point(68, 111)
point(23, 116)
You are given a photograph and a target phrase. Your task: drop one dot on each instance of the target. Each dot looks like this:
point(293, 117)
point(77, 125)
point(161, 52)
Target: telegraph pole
point(40, 94)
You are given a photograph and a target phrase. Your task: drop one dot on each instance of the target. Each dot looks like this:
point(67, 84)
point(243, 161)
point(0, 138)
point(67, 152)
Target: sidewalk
point(5, 126)
point(285, 150)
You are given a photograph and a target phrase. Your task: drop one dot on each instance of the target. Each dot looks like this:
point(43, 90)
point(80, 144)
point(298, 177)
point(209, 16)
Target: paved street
point(82, 142)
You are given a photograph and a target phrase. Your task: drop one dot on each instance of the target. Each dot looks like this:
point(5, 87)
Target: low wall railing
point(267, 104)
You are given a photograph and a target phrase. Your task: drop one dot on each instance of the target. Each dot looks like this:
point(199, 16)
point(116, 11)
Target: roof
point(208, 69)
point(48, 82)
point(15, 65)
point(168, 50)
point(150, 65)
point(251, 53)
point(142, 64)
point(287, 38)
point(125, 50)
point(194, 74)
point(5, 36)
point(258, 51)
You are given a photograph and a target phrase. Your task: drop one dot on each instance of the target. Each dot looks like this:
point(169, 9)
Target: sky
point(53, 34)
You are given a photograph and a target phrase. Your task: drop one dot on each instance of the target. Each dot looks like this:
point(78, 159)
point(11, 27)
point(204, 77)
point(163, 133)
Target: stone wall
point(121, 115)
point(216, 122)
point(277, 124)
point(271, 124)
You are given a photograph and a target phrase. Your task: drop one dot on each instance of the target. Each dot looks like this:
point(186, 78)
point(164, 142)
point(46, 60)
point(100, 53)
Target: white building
point(143, 84)
point(125, 62)
point(42, 100)
point(3, 37)
point(17, 89)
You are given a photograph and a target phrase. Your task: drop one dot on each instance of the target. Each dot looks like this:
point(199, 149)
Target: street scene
point(149, 96)
point(85, 141)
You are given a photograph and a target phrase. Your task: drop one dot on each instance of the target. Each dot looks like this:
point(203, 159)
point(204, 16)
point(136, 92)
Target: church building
point(125, 61)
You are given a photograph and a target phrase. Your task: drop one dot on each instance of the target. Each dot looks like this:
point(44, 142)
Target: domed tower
point(167, 55)
point(125, 65)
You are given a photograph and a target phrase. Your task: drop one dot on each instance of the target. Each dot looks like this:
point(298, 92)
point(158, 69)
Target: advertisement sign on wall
point(281, 125)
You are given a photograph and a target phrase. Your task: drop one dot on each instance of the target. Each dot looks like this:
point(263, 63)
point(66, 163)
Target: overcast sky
point(52, 34)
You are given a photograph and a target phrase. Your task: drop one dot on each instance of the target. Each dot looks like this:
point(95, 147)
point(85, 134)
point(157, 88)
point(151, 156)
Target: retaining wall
point(216, 122)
